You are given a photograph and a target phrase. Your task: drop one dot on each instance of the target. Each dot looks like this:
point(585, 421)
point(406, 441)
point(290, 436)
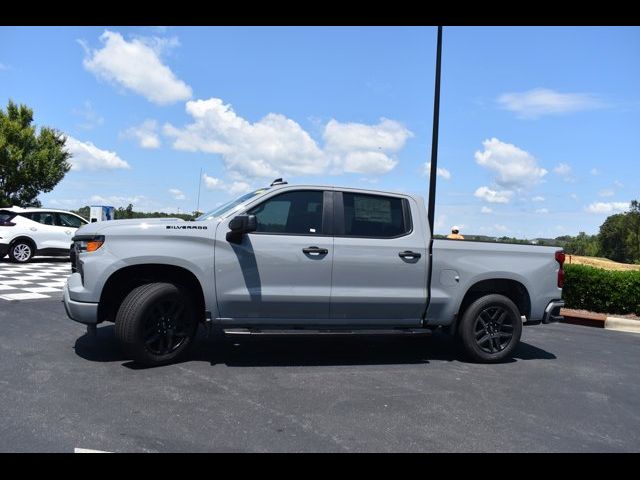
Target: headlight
point(88, 243)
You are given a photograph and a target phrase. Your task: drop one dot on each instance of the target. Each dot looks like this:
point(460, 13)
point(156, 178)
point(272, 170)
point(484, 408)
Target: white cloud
point(440, 172)
point(618, 184)
point(237, 188)
point(360, 148)
point(233, 188)
point(145, 134)
point(177, 194)
point(607, 192)
point(542, 210)
point(594, 171)
point(276, 145)
point(500, 228)
point(574, 196)
point(607, 207)
point(537, 199)
point(562, 169)
point(212, 182)
point(493, 196)
point(514, 167)
point(86, 156)
point(542, 101)
point(486, 210)
point(136, 65)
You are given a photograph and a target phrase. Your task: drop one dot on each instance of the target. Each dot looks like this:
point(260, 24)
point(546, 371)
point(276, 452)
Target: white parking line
point(88, 450)
point(23, 296)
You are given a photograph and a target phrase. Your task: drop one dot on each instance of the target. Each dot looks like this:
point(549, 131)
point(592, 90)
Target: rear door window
point(45, 218)
point(375, 216)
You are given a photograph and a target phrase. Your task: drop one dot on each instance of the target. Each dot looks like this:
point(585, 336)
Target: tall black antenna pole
point(434, 140)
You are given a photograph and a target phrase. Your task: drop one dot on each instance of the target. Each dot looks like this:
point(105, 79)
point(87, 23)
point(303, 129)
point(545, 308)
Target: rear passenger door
point(379, 261)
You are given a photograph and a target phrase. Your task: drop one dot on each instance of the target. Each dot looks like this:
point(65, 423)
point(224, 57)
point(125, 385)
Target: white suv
point(25, 232)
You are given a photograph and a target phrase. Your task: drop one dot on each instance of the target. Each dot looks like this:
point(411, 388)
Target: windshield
point(228, 207)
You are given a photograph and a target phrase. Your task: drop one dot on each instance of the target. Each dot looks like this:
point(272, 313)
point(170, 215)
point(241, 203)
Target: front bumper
point(552, 312)
point(82, 312)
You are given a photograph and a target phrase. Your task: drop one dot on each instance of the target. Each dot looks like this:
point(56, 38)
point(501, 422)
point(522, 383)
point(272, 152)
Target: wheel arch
point(512, 289)
point(27, 239)
point(122, 281)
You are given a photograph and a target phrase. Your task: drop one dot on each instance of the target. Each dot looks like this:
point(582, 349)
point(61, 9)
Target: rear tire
point(490, 329)
point(21, 251)
point(156, 323)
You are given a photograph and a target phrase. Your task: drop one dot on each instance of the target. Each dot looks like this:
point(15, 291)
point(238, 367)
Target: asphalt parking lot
point(568, 389)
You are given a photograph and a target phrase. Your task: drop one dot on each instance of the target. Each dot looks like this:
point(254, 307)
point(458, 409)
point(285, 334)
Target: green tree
point(633, 237)
point(30, 162)
point(583, 244)
point(612, 238)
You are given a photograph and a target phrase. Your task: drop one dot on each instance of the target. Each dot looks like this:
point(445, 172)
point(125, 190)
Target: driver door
point(281, 273)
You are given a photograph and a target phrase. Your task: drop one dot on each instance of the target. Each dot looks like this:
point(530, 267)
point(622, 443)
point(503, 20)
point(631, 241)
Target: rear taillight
point(560, 256)
point(7, 224)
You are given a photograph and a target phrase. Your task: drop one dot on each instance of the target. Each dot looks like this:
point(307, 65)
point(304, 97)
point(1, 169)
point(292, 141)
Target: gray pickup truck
point(306, 259)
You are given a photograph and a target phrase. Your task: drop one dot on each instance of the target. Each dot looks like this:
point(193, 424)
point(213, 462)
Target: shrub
point(598, 290)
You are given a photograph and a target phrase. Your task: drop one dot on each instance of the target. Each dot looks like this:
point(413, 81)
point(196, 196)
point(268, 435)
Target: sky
point(539, 126)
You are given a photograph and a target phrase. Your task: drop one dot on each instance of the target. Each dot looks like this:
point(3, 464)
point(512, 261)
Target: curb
point(622, 324)
point(599, 320)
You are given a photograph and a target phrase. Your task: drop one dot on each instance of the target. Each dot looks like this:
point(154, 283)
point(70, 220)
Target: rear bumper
point(552, 312)
point(4, 249)
point(81, 312)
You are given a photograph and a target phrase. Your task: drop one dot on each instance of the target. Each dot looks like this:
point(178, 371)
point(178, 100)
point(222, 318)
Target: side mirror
point(240, 225)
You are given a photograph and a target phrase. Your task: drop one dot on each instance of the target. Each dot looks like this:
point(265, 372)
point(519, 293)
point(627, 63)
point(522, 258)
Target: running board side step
point(333, 332)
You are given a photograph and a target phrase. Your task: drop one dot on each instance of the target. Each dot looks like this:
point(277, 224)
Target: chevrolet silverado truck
point(306, 260)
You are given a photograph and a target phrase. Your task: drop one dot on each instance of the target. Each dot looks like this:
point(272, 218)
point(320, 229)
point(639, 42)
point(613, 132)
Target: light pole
point(434, 139)
point(434, 169)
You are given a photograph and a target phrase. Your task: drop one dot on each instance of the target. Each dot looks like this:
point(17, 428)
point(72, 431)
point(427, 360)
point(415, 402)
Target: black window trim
point(327, 209)
point(338, 216)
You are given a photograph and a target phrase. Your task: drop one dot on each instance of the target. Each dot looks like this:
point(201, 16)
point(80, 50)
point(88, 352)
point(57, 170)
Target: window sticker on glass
point(372, 209)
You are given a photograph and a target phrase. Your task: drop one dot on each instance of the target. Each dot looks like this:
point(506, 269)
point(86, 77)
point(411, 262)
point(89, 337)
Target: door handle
point(315, 251)
point(409, 254)
point(33, 229)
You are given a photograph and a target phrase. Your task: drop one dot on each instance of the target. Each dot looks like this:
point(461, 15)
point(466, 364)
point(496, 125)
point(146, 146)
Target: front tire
point(21, 251)
point(156, 324)
point(490, 329)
